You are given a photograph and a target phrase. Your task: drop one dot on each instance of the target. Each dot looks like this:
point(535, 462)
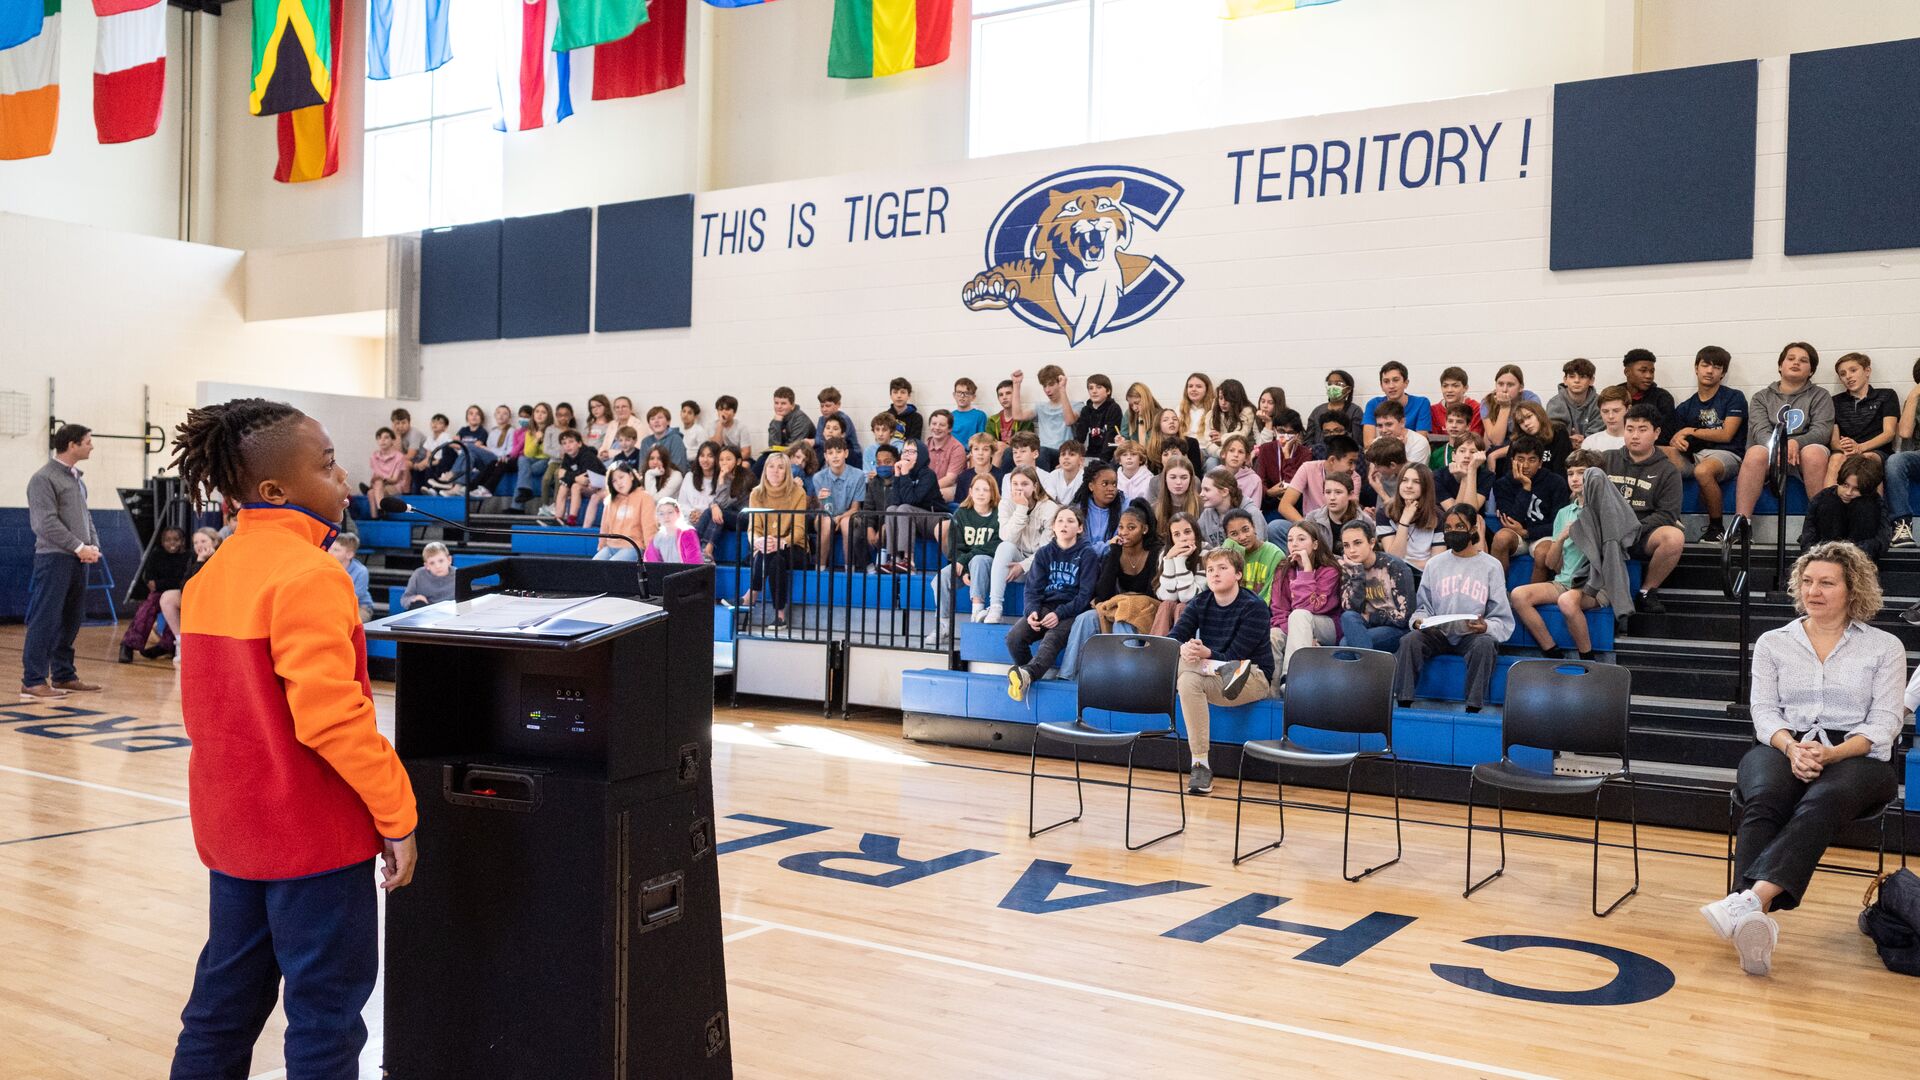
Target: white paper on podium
point(499, 613)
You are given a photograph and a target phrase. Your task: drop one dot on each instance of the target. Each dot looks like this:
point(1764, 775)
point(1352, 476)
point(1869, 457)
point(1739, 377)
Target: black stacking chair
point(1892, 808)
point(1332, 689)
point(1561, 705)
point(1131, 673)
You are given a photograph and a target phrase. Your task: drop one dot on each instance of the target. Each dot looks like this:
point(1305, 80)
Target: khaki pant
point(1199, 688)
point(1303, 628)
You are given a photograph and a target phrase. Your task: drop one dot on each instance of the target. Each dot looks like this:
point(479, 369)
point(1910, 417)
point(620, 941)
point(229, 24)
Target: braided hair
point(211, 448)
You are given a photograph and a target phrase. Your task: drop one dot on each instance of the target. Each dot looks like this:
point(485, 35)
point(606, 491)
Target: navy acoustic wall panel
point(1853, 145)
point(460, 283)
point(546, 267)
point(1654, 168)
point(646, 265)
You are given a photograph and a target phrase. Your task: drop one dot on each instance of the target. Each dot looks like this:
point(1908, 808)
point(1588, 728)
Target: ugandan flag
point(885, 37)
point(310, 137)
point(292, 55)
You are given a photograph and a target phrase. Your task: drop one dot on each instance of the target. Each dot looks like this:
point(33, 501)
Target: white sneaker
point(1723, 915)
point(992, 614)
point(935, 639)
point(978, 615)
point(1754, 937)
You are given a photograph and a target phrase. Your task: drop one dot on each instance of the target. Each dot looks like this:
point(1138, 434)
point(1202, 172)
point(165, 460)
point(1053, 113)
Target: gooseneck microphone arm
point(392, 505)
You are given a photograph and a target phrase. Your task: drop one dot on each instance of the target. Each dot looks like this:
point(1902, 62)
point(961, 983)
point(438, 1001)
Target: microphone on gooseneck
point(392, 505)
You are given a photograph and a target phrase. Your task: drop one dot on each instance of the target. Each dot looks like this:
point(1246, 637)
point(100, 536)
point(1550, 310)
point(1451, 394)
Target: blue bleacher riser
point(986, 643)
point(447, 506)
point(1796, 498)
point(385, 533)
point(1438, 736)
point(555, 540)
point(1913, 780)
point(722, 623)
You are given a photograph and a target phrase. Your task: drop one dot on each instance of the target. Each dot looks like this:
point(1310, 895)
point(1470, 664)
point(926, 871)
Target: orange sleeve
point(313, 621)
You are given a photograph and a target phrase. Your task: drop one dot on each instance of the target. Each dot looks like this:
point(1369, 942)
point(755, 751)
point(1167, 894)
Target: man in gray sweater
point(1462, 580)
point(64, 542)
point(1807, 448)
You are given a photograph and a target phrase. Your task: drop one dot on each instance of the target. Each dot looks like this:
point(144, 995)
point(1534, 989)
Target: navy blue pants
point(57, 603)
point(322, 934)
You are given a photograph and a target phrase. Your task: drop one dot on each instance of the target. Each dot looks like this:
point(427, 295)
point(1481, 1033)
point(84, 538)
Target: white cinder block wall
point(1275, 293)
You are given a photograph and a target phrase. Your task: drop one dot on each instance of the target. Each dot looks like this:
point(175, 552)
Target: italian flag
point(30, 91)
point(885, 37)
point(129, 68)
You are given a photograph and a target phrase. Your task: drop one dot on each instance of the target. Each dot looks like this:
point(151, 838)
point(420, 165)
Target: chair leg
point(1880, 866)
point(1633, 816)
point(1239, 800)
point(1346, 832)
point(1500, 803)
point(1180, 788)
point(1079, 796)
point(1732, 825)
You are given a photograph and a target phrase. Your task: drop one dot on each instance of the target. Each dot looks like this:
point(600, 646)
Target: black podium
point(565, 919)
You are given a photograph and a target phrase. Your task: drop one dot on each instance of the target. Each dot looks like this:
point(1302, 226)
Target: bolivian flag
point(292, 55)
point(885, 37)
point(30, 90)
point(1238, 9)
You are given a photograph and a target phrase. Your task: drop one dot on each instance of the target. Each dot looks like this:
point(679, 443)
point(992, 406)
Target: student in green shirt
point(975, 536)
point(1558, 552)
point(1261, 555)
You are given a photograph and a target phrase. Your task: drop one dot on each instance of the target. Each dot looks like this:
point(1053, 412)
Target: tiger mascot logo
point(1059, 254)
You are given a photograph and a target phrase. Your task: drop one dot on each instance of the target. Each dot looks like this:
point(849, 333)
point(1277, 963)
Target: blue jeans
point(616, 553)
point(1903, 472)
point(1085, 626)
point(979, 569)
point(1354, 631)
point(322, 934)
point(56, 604)
point(527, 479)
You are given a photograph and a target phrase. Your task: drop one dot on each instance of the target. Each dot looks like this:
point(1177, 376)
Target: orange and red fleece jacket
point(288, 775)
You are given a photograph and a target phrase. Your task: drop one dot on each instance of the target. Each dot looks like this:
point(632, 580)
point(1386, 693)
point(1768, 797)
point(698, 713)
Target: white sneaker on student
point(978, 612)
point(1754, 937)
point(1722, 915)
point(993, 614)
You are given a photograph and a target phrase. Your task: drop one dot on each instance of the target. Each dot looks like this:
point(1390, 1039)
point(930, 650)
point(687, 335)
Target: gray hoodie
point(1576, 417)
point(1603, 530)
point(1763, 414)
point(1465, 585)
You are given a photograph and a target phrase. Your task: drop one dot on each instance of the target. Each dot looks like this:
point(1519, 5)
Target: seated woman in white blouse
point(1827, 706)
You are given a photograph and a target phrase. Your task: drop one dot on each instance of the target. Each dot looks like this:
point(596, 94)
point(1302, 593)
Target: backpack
point(1893, 920)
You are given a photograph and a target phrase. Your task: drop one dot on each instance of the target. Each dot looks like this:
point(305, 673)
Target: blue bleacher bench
point(447, 506)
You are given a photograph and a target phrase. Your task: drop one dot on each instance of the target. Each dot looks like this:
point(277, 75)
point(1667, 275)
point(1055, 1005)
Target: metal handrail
point(1734, 583)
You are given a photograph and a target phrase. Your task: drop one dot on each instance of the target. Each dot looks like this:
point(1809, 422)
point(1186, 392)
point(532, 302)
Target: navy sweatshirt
point(1237, 631)
point(1062, 581)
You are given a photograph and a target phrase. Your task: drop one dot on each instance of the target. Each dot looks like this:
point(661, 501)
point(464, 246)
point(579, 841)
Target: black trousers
point(772, 572)
point(1021, 638)
point(1788, 823)
point(1480, 650)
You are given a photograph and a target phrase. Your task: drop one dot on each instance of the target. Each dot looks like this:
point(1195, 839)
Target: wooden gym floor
point(989, 954)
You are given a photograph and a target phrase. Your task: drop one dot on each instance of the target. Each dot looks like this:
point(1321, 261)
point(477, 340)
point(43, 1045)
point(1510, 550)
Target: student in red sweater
point(293, 791)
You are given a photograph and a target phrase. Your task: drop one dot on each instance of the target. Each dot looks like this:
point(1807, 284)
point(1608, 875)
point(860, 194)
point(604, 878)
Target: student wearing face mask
point(1462, 580)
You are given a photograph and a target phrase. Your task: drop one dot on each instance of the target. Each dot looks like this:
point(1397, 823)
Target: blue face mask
point(883, 470)
point(522, 422)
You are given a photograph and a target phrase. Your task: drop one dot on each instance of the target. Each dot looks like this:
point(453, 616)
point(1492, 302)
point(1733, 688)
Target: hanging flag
point(310, 137)
point(596, 22)
point(647, 61)
point(30, 90)
point(872, 38)
point(20, 21)
point(1239, 9)
point(535, 82)
point(406, 37)
point(736, 3)
point(129, 68)
point(292, 56)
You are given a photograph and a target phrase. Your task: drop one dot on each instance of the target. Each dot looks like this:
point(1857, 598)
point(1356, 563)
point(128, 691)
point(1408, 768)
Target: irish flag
point(30, 90)
point(885, 37)
point(129, 68)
